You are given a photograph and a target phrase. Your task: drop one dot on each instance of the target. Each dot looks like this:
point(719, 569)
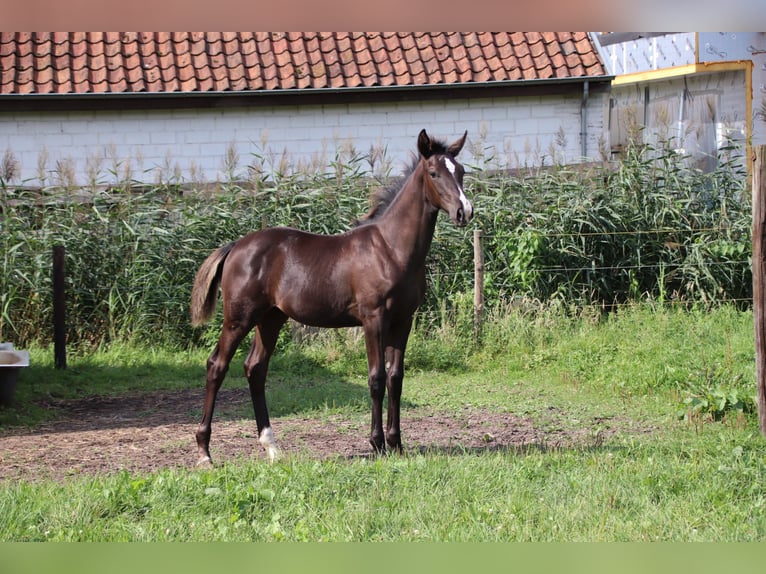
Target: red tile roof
point(161, 62)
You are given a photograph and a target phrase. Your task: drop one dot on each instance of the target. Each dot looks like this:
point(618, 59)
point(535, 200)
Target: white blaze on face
point(467, 208)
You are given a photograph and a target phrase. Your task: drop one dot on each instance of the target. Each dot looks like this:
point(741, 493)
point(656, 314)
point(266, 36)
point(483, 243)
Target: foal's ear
point(424, 144)
point(455, 148)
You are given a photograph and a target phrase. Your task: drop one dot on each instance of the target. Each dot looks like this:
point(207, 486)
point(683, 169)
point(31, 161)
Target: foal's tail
point(205, 290)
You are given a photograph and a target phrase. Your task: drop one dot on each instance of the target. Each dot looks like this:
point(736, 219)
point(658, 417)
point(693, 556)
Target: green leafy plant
point(716, 404)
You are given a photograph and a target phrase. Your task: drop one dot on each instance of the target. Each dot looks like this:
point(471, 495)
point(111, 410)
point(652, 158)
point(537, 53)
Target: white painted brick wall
point(515, 130)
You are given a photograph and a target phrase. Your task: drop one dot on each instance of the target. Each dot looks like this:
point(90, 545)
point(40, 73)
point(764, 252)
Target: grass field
point(656, 475)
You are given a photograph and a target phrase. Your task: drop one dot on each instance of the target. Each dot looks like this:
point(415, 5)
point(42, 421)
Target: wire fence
point(601, 241)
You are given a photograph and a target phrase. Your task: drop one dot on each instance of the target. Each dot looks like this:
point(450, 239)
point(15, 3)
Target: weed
point(715, 404)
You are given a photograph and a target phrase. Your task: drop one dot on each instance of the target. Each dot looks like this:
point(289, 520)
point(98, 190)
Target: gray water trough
point(11, 362)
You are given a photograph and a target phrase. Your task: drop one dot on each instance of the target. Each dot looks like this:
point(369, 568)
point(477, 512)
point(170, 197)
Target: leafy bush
point(646, 228)
point(717, 403)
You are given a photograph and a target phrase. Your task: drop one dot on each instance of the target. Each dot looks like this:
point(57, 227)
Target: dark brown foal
point(372, 276)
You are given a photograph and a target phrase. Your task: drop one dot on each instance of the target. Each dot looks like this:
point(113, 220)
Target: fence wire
point(131, 258)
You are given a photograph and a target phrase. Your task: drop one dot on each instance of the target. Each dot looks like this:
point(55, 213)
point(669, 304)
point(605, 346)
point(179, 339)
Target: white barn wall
point(192, 144)
point(728, 87)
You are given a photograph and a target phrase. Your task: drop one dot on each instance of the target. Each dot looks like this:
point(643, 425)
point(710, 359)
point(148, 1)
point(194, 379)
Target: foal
point(372, 276)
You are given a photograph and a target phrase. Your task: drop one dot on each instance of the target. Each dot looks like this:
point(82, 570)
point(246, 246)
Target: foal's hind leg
point(217, 365)
point(256, 368)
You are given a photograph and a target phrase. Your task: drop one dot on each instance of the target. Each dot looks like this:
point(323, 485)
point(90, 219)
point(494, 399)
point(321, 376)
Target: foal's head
point(444, 177)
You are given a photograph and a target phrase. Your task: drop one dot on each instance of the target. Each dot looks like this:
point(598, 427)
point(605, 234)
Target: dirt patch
point(100, 435)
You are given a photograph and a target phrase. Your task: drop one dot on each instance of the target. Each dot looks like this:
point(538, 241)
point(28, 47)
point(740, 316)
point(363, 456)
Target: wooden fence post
point(759, 279)
point(59, 308)
point(478, 284)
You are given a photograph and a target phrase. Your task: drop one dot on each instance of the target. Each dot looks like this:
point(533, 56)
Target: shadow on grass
point(458, 451)
point(93, 396)
point(523, 449)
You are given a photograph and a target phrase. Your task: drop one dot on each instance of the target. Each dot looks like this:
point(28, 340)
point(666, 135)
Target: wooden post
point(59, 308)
point(478, 284)
point(759, 279)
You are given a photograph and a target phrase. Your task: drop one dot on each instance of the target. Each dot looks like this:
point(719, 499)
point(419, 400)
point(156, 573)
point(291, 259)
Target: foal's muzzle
point(463, 214)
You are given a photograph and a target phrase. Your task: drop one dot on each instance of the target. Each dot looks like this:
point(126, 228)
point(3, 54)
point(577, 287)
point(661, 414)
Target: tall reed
point(643, 228)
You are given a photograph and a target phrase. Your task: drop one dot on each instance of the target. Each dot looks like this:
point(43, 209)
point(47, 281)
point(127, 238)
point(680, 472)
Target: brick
point(202, 136)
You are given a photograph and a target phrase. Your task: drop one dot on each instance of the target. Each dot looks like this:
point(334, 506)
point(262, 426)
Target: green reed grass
point(645, 228)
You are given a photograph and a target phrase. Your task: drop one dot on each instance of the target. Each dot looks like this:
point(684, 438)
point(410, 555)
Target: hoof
point(394, 444)
point(205, 462)
point(274, 454)
point(267, 441)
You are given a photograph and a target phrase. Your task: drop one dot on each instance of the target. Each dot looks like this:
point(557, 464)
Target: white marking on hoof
point(205, 462)
point(267, 440)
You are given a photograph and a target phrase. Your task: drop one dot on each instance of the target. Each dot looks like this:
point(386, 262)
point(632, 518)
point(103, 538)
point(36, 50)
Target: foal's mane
point(382, 197)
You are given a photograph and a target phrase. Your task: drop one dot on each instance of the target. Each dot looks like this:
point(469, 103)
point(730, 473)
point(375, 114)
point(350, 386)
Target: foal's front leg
point(394, 378)
point(376, 379)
